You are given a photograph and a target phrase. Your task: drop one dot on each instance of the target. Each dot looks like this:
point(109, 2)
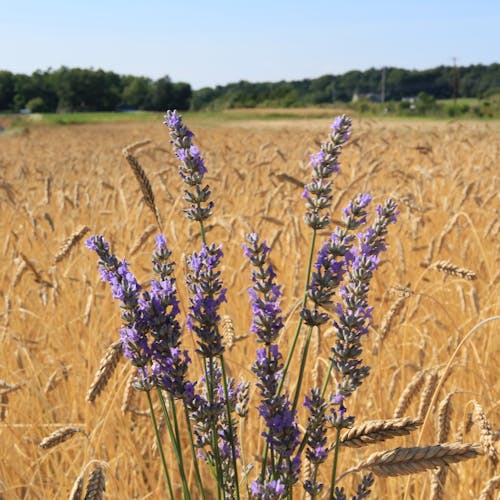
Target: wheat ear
point(77, 489)
point(375, 431)
point(144, 184)
point(446, 266)
point(96, 484)
point(403, 461)
point(491, 486)
point(71, 242)
point(486, 434)
point(60, 436)
point(409, 393)
point(106, 368)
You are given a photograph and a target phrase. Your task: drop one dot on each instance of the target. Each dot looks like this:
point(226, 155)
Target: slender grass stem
point(174, 438)
point(301, 370)
point(334, 466)
point(299, 325)
point(209, 377)
point(160, 446)
point(230, 424)
point(193, 453)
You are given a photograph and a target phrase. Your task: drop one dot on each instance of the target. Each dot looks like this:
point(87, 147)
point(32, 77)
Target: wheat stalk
point(404, 461)
point(71, 242)
point(77, 489)
point(106, 368)
point(427, 393)
point(144, 184)
point(409, 393)
point(375, 431)
point(228, 334)
point(445, 266)
point(60, 436)
point(386, 323)
point(142, 239)
point(485, 433)
point(491, 486)
point(96, 484)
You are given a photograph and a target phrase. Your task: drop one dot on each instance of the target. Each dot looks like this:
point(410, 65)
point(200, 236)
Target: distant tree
point(138, 92)
point(36, 105)
point(7, 91)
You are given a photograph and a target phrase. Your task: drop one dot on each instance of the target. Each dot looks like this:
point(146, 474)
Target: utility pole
point(455, 81)
point(382, 86)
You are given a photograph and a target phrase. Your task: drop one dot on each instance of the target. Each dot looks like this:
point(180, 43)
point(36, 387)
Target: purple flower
point(192, 168)
point(207, 294)
point(265, 294)
point(125, 288)
point(354, 315)
point(324, 164)
point(273, 490)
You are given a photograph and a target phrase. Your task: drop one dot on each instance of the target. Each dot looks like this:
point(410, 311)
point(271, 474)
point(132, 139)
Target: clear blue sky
point(215, 42)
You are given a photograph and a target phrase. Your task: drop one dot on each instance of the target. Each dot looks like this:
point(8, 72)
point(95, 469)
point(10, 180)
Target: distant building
point(370, 96)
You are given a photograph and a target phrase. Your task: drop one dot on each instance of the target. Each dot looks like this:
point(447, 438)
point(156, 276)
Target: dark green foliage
point(76, 89)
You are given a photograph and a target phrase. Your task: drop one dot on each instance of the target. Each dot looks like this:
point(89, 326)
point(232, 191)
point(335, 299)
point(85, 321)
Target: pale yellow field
point(56, 320)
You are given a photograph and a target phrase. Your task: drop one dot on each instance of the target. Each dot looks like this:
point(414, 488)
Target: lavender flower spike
point(324, 164)
point(265, 294)
point(192, 168)
point(207, 291)
point(125, 288)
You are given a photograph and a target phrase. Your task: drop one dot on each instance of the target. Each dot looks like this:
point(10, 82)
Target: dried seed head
point(69, 243)
point(59, 436)
point(228, 334)
point(106, 369)
point(486, 434)
point(96, 484)
point(448, 267)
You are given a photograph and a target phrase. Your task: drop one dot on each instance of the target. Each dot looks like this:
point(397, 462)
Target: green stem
point(302, 367)
point(230, 424)
point(335, 462)
point(193, 453)
point(160, 446)
point(174, 437)
point(295, 337)
point(209, 377)
point(299, 325)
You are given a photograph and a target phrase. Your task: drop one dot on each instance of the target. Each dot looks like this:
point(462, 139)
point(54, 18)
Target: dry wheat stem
point(106, 368)
point(60, 436)
point(375, 431)
point(404, 461)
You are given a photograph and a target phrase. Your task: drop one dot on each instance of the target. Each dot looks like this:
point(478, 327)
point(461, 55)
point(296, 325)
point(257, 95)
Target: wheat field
point(435, 294)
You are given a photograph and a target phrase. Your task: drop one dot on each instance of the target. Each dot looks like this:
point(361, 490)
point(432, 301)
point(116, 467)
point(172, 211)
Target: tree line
point(76, 89)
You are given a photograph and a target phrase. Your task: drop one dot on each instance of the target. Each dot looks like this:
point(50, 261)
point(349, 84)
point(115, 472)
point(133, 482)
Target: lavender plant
point(337, 283)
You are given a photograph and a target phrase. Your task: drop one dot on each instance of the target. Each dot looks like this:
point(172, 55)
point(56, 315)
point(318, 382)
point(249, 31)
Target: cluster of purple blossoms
point(192, 169)
point(318, 193)
point(207, 294)
point(362, 491)
point(332, 261)
point(265, 294)
point(282, 433)
point(124, 288)
point(354, 313)
point(151, 333)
